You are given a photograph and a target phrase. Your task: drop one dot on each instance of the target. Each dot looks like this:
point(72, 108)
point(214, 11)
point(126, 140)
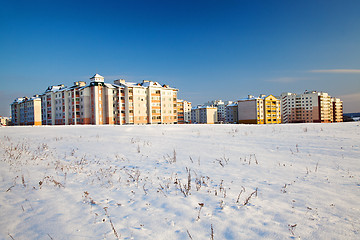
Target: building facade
point(232, 113)
point(310, 107)
point(26, 111)
point(337, 106)
point(101, 103)
point(272, 109)
point(221, 109)
point(259, 110)
point(145, 103)
point(204, 115)
point(183, 111)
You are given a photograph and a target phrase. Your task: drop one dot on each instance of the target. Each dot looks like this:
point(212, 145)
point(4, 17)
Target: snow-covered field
point(180, 182)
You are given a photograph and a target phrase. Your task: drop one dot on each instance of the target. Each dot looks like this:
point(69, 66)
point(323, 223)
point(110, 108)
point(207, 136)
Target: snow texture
point(293, 181)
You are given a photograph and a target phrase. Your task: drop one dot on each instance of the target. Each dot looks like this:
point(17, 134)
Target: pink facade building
point(310, 107)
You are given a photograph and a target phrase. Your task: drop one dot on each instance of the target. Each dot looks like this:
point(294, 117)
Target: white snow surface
point(290, 181)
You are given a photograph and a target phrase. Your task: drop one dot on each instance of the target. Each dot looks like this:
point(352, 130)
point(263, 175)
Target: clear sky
point(214, 49)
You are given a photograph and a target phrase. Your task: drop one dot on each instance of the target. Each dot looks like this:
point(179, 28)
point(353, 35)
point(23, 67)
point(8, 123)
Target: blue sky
point(207, 49)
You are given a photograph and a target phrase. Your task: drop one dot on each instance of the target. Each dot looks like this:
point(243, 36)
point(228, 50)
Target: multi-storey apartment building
point(26, 111)
point(145, 103)
point(183, 111)
point(221, 109)
point(15, 111)
point(311, 106)
point(232, 113)
point(272, 109)
point(259, 110)
point(48, 105)
point(337, 106)
point(251, 110)
point(204, 114)
point(103, 103)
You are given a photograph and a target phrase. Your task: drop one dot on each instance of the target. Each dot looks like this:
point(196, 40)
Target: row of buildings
point(251, 110)
point(308, 107)
point(99, 103)
point(149, 102)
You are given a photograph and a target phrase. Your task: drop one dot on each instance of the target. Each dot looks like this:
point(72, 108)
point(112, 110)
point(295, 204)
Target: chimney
point(119, 81)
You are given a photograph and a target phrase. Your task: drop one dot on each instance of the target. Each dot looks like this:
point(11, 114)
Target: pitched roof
point(97, 76)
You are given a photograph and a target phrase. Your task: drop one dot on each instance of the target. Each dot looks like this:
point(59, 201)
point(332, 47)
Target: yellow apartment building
point(272, 109)
point(337, 106)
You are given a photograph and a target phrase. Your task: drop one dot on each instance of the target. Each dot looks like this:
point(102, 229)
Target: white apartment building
point(221, 109)
point(184, 111)
point(48, 105)
point(26, 111)
point(204, 114)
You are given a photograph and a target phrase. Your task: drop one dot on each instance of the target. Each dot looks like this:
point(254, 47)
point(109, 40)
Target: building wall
point(211, 115)
point(140, 102)
point(187, 112)
point(183, 112)
point(261, 110)
point(109, 105)
point(232, 113)
point(37, 111)
point(337, 109)
point(195, 117)
point(26, 111)
point(119, 105)
point(308, 107)
point(247, 111)
point(221, 109)
point(180, 111)
point(168, 106)
point(272, 110)
point(326, 113)
point(102, 103)
point(204, 114)
point(15, 111)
